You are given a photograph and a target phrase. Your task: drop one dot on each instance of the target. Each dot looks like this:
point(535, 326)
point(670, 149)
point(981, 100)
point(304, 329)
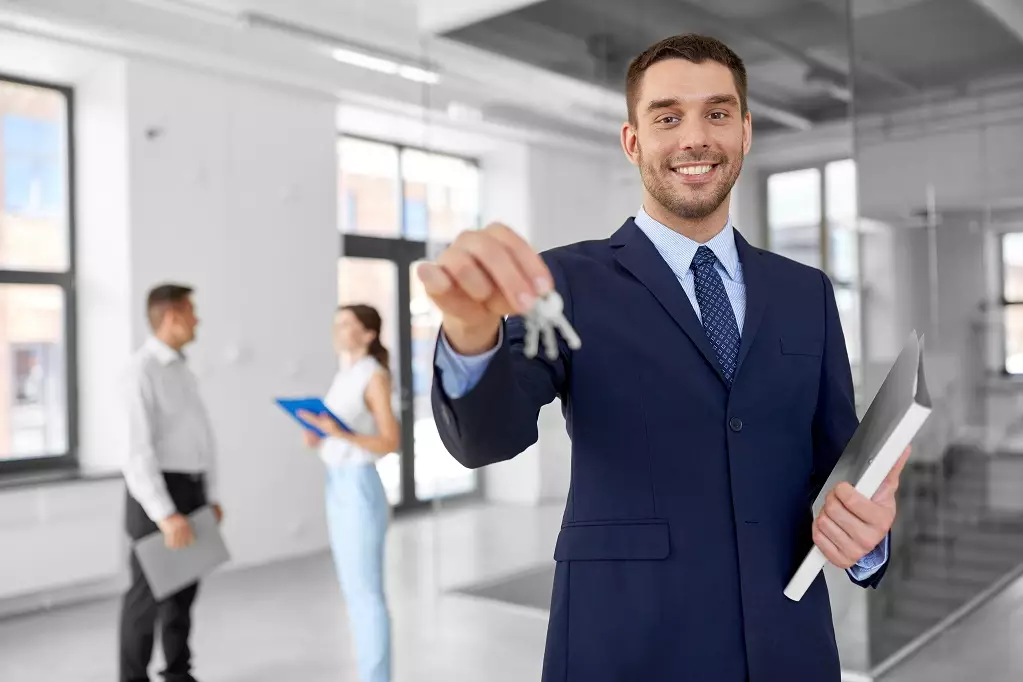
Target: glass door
point(437, 474)
point(397, 205)
point(374, 281)
point(381, 273)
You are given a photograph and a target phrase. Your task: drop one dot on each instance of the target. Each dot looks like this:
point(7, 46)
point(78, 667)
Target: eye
point(718, 115)
point(668, 119)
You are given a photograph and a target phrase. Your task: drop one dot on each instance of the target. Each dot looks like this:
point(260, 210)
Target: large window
point(1012, 297)
point(405, 193)
point(812, 218)
point(395, 204)
point(36, 273)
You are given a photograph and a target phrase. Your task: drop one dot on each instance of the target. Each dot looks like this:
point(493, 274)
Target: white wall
point(236, 195)
point(105, 309)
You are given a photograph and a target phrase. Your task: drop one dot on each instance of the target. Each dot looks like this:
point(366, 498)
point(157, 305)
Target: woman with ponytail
point(357, 509)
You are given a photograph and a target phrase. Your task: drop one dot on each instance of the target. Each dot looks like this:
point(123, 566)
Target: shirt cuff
point(870, 564)
point(459, 373)
point(159, 508)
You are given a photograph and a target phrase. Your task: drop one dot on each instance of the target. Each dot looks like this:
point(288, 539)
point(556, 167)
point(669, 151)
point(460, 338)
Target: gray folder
point(169, 570)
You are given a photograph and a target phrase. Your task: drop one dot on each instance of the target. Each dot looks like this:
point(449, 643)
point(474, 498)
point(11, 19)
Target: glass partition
point(938, 136)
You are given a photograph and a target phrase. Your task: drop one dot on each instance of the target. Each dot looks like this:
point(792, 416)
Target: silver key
point(551, 310)
point(544, 318)
point(550, 341)
point(532, 334)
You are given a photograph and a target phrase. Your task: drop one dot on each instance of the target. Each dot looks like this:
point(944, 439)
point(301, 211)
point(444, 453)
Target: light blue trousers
point(357, 518)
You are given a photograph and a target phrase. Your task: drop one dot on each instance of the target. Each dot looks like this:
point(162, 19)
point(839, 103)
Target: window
point(812, 218)
point(1012, 297)
point(403, 193)
point(36, 273)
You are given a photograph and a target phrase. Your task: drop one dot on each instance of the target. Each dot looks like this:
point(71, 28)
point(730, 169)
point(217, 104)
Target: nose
point(693, 135)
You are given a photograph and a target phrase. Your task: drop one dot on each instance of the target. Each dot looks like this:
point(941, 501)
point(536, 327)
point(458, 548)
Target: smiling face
point(350, 335)
point(688, 137)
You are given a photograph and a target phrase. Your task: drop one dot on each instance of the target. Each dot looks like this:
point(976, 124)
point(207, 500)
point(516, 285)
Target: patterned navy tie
point(716, 312)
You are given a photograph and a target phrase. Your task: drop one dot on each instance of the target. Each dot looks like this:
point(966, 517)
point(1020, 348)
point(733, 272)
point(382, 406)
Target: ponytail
point(370, 319)
point(378, 351)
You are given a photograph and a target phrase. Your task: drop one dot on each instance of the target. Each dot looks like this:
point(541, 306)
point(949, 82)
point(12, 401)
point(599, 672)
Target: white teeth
point(693, 170)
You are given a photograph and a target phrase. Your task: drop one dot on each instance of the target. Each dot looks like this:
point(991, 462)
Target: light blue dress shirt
point(460, 373)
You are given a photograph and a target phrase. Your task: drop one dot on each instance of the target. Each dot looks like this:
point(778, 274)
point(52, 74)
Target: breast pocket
point(805, 346)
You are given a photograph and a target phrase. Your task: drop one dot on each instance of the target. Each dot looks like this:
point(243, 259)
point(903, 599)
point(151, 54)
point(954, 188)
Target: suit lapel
point(756, 282)
point(637, 254)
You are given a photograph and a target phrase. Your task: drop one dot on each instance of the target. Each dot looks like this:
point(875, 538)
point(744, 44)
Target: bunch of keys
point(543, 318)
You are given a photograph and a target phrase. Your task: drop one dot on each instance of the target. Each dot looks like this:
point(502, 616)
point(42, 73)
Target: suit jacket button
point(735, 424)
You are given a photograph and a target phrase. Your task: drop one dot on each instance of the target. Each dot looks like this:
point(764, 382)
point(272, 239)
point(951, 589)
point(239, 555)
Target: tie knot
point(704, 256)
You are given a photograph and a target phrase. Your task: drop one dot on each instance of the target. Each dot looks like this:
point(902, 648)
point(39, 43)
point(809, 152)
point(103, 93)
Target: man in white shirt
point(170, 472)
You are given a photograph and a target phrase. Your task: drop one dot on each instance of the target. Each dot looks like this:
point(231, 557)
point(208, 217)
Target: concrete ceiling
point(796, 51)
point(559, 65)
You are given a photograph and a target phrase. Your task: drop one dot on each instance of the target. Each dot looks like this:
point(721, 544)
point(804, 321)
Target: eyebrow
point(675, 101)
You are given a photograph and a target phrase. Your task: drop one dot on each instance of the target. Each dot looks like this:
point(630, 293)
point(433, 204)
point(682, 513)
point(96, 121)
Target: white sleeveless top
point(347, 399)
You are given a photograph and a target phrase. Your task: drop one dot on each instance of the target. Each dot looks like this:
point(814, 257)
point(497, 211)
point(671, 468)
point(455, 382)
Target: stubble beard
point(703, 201)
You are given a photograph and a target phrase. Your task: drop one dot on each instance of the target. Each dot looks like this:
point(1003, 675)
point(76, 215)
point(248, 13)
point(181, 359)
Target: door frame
point(403, 253)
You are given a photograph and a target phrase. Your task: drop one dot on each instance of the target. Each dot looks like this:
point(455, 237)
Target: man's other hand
point(850, 526)
point(177, 532)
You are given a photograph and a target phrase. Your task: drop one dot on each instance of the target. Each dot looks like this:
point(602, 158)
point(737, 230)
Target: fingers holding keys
point(483, 276)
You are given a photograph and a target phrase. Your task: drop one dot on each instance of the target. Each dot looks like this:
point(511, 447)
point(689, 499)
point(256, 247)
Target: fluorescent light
point(381, 65)
point(364, 61)
point(414, 73)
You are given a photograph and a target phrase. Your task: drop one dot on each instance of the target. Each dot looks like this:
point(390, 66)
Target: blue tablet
point(315, 405)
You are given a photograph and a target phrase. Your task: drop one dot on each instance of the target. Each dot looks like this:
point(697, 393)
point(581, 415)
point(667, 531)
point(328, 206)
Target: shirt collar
point(678, 250)
point(162, 352)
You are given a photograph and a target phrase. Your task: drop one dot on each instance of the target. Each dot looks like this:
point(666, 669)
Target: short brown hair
point(692, 48)
point(163, 297)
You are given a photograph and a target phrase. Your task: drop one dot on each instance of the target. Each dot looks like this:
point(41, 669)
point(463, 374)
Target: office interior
point(284, 157)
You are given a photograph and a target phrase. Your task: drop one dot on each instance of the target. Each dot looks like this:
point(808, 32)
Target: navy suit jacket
point(690, 504)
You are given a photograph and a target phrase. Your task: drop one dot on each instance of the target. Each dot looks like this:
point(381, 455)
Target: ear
point(747, 133)
point(630, 143)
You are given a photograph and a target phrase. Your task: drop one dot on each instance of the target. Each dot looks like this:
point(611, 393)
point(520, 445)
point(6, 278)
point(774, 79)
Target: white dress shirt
point(169, 428)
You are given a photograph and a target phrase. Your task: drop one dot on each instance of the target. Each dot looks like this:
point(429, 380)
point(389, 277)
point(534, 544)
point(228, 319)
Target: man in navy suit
point(708, 404)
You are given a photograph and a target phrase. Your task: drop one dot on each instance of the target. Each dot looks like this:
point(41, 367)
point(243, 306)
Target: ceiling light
point(364, 61)
point(381, 65)
point(414, 73)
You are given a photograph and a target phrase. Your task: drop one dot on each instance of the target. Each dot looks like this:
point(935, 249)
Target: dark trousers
point(140, 610)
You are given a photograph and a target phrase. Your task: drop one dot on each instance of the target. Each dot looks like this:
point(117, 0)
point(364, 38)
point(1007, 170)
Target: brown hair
point(369, 318)
point(692, 48)
point(162, 298)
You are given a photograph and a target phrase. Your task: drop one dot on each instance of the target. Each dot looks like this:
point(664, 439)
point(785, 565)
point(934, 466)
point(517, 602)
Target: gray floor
point(286, 621)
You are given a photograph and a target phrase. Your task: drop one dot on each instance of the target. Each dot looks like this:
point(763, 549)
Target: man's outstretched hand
point(850, 526)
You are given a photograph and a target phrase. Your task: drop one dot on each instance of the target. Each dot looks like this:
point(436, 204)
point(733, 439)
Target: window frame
point(824, 225)
point(65, 280)
point(401, 147)
point(1004, 303)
